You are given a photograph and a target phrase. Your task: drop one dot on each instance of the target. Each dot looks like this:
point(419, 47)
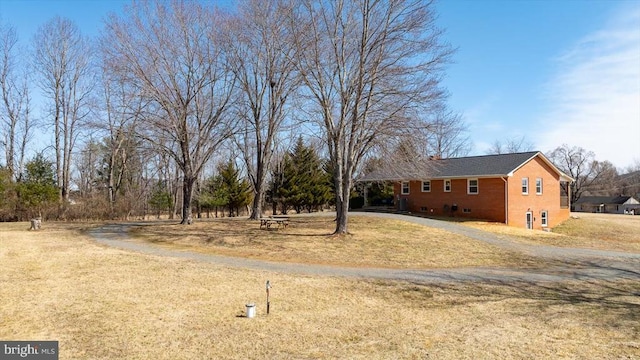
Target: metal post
point(268, 302)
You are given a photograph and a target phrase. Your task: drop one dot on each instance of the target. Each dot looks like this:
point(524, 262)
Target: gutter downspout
point(506, 201)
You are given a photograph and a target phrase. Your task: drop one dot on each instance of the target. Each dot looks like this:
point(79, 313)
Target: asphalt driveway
point(564, 263)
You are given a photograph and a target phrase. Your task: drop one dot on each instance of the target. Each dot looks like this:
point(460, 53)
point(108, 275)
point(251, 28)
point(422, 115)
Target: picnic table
point(279, 220)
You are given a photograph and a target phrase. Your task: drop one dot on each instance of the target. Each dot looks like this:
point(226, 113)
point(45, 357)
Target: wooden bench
point(280, 221)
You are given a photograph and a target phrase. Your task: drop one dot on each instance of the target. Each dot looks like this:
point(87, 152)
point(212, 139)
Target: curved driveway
point(568, 263)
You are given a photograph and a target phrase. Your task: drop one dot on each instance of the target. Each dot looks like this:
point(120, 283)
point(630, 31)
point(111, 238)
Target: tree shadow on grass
point(250, 231)
point(612, 301)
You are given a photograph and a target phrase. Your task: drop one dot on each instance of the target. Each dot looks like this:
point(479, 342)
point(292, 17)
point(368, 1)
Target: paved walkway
point(569, 263)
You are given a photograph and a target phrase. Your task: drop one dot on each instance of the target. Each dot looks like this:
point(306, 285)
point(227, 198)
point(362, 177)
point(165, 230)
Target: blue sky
point(555, 72)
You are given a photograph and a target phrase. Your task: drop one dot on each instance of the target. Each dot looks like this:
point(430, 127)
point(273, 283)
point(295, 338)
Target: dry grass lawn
point(104, 303)
point(373, 242)
point(584, 230)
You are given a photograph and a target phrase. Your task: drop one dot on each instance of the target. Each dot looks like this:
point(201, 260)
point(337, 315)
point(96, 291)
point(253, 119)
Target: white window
point(447, 185)
point(539, 186)
point(544, 218)
point(426, 186)
point(405, 188)
point(472, 186)
point(525, 186)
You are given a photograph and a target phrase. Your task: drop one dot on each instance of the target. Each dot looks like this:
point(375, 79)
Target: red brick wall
point(487, 204)
point(519, 204)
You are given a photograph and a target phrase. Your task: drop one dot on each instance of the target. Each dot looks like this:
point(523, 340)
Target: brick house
point(518, 189)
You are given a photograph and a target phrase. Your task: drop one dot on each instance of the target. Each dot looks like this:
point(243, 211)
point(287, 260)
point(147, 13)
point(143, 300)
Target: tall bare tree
point(607, 181)
point(261, 56)
point(15, 107)
point(87, 165)
point(171, 53)
point(629, 181)
point(371, 67)
point(446, 135)
point(581, 165)
point(121, 110)
point(62, 59)
point(511, 145)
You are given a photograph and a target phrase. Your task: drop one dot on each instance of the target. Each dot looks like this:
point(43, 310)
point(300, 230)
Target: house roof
point(616, 200)
point(500, 165)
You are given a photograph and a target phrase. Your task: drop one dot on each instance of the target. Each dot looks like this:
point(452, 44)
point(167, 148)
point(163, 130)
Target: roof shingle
point(470, 166)
point(501, 164)
point(603, 199)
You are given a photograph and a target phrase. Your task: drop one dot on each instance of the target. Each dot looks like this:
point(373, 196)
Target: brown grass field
point(583, 230)
point(373, 242)
point(104, 303)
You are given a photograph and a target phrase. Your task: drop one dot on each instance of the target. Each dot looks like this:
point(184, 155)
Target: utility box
point(251, 310)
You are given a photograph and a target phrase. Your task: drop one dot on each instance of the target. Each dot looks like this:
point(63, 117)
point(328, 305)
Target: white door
point(529, 220)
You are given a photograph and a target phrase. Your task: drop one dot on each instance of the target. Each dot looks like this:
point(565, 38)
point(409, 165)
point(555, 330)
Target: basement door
point(529, 220)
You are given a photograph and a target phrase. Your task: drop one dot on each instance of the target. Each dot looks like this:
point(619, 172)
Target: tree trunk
point(199, 206)
point(342, 180)
point(66, 162)
point(9, 150)
point(187, 192)
point(176, 191)
point(58, 160)
point(258, 200)
point(342, 210)
point(110, 189)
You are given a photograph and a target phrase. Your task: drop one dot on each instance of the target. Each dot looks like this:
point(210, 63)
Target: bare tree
point(261, 56)
point(15, 107)
point(87, 166)
point(581, 165)
point(512, 145)
point(371, 68)
point(629, 182)
point(446, 135)
point(62, 58)
point(121, 110)
point(606, 183)
point(443, 135)
point(171, 53)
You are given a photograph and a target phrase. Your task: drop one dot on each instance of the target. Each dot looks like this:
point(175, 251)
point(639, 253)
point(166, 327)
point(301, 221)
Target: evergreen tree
point(214, 194)
point(161, 199)
point(238, 190)
point(320, 187)
point(288, 190)
point(302, 183)
point(275, 184)
point(39, 187)
point(7, 196)
point(302, 177)
point(5, 183)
